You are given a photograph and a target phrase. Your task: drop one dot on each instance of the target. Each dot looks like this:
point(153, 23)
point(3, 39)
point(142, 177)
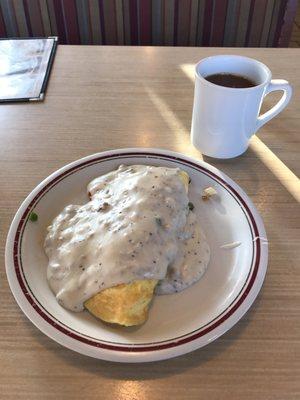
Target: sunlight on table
point(182, 141)
point(129, 390)
point(286, 177)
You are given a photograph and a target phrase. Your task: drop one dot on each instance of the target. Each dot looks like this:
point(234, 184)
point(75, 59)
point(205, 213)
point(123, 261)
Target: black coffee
point(230, 80)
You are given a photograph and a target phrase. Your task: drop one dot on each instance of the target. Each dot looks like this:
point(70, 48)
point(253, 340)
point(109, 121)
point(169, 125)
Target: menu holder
point(25, 66)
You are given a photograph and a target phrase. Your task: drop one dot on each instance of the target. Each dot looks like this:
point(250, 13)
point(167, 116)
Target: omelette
point(138, 236)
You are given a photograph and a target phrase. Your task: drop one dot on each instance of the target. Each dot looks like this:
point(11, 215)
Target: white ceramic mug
point(225, 118)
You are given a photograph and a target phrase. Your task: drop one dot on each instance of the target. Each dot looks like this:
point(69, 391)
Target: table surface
point(101, 98)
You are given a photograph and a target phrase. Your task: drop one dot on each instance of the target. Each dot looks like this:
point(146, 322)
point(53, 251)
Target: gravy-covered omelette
point(137, 234)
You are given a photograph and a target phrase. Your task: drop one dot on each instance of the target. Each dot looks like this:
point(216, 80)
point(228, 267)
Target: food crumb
point(208, 192)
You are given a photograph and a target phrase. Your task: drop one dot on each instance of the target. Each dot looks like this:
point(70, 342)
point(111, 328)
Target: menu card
point(25, 66)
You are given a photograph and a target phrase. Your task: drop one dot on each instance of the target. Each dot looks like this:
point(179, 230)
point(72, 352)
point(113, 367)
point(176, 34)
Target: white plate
point(178, 323)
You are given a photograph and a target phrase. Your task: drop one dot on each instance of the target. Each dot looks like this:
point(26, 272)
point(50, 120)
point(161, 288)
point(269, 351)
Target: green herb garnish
point(33, 217)
point(158, 221)
point(191, 206)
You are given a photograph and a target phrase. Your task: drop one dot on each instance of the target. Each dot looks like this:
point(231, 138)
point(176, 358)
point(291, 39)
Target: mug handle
point(275, 84)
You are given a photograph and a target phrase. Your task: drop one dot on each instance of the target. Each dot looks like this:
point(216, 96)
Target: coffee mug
point(225, 118)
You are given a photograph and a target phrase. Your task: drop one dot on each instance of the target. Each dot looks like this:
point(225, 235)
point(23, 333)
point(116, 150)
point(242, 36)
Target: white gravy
point(137, 225)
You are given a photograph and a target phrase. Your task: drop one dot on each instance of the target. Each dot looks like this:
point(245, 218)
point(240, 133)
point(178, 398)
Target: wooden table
point(102, 98)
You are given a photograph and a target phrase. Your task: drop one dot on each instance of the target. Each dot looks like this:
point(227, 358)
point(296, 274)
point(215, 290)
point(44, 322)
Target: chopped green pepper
point(190, 205)
point(33, 217)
